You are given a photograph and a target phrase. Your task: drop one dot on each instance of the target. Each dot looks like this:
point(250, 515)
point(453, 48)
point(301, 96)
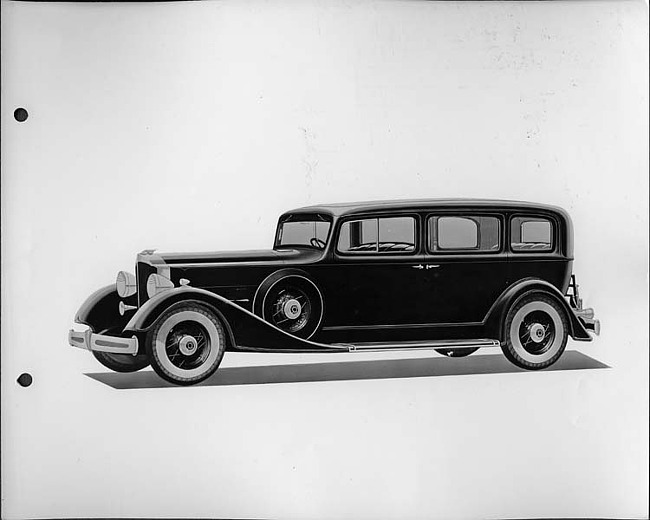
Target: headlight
point(125, 284)
point(157, 283)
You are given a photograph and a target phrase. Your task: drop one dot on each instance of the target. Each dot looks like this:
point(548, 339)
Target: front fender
point(496, 316)
point(100, 311)
point(246, 330)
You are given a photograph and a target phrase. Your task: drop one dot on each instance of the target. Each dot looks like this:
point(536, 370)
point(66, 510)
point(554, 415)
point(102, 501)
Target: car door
point(375, 278)
point(466, 265)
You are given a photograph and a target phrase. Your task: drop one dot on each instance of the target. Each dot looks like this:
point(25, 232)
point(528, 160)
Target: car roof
point(352, 208)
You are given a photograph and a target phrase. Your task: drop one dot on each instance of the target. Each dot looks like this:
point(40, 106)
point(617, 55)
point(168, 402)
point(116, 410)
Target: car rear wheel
point(187, 344)
point(456, 352)
point(536, 330)
point(124, 363)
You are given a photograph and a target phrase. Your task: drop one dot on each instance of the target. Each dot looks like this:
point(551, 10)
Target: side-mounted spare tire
point(291, 302)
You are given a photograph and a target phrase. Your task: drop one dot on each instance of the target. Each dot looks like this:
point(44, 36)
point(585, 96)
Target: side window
point(358, 236)
point(383, 235)
point(531, 234)
point(457, 233)
point(397, 234)
point(464, 233)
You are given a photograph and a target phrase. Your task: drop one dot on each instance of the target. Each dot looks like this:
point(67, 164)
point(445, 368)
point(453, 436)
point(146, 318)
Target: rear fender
point(246, 330)
point(495, 320)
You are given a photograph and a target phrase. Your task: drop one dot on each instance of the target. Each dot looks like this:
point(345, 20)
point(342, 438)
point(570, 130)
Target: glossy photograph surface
point(322, 260)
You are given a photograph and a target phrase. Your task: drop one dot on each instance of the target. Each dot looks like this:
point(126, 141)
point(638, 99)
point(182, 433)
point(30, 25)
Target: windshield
point(303, 231)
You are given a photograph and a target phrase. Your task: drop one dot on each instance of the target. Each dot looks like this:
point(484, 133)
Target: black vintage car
point(449, 275)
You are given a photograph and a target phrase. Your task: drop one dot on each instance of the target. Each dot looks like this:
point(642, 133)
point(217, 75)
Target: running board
point(422, 345)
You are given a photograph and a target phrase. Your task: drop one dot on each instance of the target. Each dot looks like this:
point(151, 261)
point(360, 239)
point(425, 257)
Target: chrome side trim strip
point(403, 326)
point(321, 349)
point(423, 345)
point(382, 347)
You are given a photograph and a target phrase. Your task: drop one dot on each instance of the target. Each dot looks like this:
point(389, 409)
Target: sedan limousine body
point(450, 275)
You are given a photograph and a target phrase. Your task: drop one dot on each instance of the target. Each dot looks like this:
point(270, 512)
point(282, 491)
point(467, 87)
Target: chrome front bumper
point(99, 342)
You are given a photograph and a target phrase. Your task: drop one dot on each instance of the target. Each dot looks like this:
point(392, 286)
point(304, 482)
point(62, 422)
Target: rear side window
point(531, 234)
point(463, 233)
point(378, 235)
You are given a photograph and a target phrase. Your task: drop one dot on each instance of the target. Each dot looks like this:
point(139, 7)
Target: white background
point(191, 126)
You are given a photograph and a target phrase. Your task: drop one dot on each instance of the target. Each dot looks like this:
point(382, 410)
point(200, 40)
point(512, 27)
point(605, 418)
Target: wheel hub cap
point(292, 309)
point(537, 332)
point(187, 345)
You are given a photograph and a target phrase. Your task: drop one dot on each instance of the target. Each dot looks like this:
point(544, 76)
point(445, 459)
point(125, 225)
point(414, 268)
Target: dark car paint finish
point(235, 275)
point(449, 275)
point(389, 297)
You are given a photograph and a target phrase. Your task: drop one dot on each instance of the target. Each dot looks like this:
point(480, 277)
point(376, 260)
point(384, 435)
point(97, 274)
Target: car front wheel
point(187, 344)
point(536, 331)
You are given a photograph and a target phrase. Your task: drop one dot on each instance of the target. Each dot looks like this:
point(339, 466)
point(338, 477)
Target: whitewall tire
point(186, 344)
point(536, 332)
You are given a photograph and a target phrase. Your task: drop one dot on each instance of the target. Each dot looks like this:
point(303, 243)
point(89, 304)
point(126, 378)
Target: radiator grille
point(142, 272)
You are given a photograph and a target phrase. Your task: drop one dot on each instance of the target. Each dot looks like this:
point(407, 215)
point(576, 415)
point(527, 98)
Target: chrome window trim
point(501, 219)
point(554, 234)
point(417, 226)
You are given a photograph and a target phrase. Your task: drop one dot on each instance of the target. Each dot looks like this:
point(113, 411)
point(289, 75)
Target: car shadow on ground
point(351, 371)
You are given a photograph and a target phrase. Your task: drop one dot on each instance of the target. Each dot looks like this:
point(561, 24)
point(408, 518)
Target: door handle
point(432, 266)
point(419, 266)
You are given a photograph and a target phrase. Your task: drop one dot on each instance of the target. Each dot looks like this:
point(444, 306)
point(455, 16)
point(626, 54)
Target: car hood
point(264, 256)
